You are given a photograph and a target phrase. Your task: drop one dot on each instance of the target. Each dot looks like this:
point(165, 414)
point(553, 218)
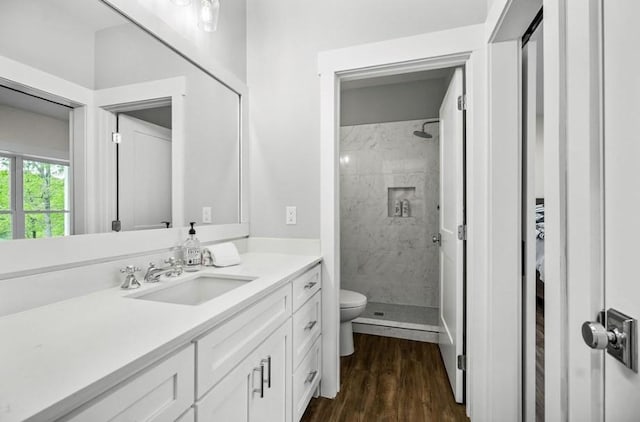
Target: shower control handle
point(437, 238)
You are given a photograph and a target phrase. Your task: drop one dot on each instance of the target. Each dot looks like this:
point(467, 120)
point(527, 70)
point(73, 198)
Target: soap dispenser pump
point(191, 251)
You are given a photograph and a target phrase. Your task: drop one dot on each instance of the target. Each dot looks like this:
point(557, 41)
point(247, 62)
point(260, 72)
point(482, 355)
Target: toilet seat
point(351, 299)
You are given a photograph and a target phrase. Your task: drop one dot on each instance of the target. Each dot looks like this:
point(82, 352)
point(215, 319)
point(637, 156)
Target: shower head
point(422, 133)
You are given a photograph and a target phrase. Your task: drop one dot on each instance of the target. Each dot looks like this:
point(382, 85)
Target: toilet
point(352, 305)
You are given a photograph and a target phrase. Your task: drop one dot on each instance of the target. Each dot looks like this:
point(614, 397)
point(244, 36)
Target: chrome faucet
point(130, 281)
point(172, 270)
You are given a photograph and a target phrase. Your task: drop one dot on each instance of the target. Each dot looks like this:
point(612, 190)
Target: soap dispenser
point(191, 251)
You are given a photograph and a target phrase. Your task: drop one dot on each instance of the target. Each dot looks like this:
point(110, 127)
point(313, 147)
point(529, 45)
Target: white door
point(451, 248)
point(622, 191)
point(144, 174)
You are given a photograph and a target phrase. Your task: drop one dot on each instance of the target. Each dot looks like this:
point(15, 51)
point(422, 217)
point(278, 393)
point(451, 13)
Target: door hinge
point(462, 232)
point(116, 137)
point(462, 102)
point(462, 362)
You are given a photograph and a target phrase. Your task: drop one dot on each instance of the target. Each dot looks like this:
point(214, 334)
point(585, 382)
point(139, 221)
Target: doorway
point(401, 204)
point(143, 167)
point(533, 219)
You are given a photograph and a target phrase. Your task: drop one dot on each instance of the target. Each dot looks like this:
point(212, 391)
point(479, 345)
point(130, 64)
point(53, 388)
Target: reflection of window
point(34, 198)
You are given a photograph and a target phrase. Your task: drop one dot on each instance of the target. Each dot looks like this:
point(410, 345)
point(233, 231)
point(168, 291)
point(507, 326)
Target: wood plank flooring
point(390, 380)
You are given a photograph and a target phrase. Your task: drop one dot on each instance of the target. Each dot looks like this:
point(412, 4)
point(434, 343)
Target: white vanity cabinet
point(307, 329)
point(243, 372)
point(262, 364)
point(162, 392)
point(258, 389)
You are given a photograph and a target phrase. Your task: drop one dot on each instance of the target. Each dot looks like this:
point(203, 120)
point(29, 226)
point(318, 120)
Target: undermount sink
point(196, 291)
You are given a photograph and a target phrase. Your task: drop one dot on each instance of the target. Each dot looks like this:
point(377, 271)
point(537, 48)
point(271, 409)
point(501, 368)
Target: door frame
point(573, 208)
point(457, 47)
point(133, 97)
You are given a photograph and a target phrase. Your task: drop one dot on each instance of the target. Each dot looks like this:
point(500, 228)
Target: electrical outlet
point(291, 215)
point(206, 214)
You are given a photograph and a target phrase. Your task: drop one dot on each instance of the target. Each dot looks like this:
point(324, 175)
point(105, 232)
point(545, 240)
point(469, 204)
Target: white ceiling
point(26, 102)
point(398, 79)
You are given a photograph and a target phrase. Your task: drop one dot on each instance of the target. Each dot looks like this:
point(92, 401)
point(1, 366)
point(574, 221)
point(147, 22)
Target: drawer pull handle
point(310, 325)
point(311, 377)
point(310, 284)
point(268, 362)
point(261, 389)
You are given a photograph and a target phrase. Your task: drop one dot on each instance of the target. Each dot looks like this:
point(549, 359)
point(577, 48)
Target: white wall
point(392, 103)
point(41, 35)
point(30, 133)
point(284, 38)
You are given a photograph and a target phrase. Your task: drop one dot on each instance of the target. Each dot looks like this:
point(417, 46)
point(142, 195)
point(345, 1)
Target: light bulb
point(209, 13)
point(181, 2)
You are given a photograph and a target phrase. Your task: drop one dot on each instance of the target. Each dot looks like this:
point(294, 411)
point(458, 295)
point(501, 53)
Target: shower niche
point(400, 194)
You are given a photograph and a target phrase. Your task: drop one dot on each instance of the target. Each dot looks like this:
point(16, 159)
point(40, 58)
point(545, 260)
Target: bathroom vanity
point(252, 353)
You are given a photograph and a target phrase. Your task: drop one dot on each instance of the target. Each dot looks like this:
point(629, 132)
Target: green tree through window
point(44, 198)
point(6, 230)
point(44, 208)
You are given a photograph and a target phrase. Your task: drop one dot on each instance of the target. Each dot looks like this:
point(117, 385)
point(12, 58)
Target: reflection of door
point(451, 217)
point(530, 65)
point(622, 195)
point(144, 174)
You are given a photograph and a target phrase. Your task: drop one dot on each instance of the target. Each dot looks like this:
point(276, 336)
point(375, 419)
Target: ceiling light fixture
point(209, 14)
point(181, 2)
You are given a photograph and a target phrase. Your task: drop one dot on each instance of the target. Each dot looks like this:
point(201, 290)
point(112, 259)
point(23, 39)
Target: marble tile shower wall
point(389, 259)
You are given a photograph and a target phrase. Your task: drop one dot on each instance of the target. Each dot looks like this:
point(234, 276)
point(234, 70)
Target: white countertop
point(56, 357)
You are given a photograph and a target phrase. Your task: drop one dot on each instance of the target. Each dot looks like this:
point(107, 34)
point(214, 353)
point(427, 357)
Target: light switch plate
point(206, 214)
point(291, 215)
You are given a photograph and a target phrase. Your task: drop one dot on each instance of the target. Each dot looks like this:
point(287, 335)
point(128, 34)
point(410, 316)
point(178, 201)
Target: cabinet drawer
point(306, 286)
point(306, 379)
point(306, 327)
point(161, 393)
point(223, 348)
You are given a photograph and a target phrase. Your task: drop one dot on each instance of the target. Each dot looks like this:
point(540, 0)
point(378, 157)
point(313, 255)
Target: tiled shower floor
point(401, 316)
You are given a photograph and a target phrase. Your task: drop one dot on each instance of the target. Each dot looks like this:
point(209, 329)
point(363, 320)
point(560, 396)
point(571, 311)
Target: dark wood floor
point(390, 379)
point(540, 361)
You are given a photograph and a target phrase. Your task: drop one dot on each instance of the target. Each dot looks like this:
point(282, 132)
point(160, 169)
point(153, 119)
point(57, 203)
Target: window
point(34, 198)
point(6, 226)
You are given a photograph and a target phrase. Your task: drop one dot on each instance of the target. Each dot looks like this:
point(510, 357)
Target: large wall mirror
point(103, 127)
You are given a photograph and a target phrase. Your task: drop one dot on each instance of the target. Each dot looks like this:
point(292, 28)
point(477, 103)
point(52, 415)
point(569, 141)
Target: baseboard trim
point(396, 332)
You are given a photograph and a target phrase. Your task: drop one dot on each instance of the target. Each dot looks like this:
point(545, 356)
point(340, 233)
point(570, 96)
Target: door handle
point(619, 337)
point(597, 337)
point(310, 325)
point(437, 238)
